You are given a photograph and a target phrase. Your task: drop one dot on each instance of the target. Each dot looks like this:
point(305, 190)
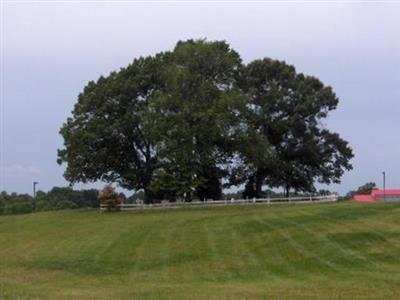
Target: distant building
point(389, 195)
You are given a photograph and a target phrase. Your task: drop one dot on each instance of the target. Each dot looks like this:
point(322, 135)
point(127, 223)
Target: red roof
point(394, 192)
point(376, 194)
point(364, 198)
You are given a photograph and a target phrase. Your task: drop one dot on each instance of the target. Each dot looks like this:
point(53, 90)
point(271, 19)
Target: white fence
point(254, 201)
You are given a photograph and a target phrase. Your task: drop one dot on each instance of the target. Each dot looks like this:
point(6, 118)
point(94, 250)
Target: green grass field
point(310, 251)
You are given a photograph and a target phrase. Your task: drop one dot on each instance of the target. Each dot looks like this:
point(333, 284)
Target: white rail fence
point(254, 201)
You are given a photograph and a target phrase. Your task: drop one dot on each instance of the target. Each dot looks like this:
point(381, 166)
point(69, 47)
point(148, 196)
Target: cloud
point(19, 171)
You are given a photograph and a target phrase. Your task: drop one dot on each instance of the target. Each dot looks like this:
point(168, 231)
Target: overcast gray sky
point(51, 50)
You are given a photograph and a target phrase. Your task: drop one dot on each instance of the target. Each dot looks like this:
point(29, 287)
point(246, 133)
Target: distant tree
point(88, 198)
point(3, 199)
point(65, 204)
point(324, 192)
point(364, 189)
point(61, 198)
point(66, 198)
point(55, 199)
point(42, 201)
point(17, 203)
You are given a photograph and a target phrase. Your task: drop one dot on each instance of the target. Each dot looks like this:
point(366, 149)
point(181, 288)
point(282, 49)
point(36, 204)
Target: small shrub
point(109, 197)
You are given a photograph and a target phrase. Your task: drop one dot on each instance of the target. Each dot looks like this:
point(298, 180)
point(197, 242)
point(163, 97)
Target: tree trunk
point(148, 196)
point(259, 183)
point(287, 191)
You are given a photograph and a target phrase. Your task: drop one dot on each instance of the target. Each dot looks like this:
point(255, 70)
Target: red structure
point(389, 195)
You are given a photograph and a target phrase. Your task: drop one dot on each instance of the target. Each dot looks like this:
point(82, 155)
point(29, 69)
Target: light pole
point(34, 188)
point(384, 185)
point(34, 194)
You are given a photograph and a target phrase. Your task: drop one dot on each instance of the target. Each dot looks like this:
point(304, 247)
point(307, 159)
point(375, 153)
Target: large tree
point(180, 123)
point(198, 118)
point(105, 138)
point(164, 124)
point(288, 108)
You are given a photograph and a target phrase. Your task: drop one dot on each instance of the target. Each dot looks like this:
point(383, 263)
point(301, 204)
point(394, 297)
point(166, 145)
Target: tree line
point(56, 199)
point(187, 123)
point(60, 198)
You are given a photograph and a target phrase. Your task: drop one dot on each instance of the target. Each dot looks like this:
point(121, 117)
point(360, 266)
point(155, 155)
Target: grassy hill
point(312, 251)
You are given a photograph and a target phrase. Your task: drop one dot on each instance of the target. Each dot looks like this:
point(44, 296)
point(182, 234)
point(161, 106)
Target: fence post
point(254, 199)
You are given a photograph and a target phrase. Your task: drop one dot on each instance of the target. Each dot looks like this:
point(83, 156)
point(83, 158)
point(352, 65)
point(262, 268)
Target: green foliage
point(57, 198)
point(195, 119)
point(18, 204)
point(286, 109)
point(3, 197)
point(15, 203)
point(66, 198)
point(366, 188)
point(179, 124)
point(105, 139)
point(211, 187)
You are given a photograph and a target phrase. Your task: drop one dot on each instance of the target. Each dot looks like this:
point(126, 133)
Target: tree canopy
point(185, 123)
point(287, 108)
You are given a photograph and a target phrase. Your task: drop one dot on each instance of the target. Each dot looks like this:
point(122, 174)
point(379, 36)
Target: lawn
point(309, 251)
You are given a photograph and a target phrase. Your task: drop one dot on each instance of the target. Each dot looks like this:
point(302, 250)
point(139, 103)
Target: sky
point(49, 51)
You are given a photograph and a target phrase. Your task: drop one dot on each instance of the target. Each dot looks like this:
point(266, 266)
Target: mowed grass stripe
point(247, 264)
point(277, 251)
point(335, 251)
point(253, 261)
point(302, 254)
point(368, 234)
